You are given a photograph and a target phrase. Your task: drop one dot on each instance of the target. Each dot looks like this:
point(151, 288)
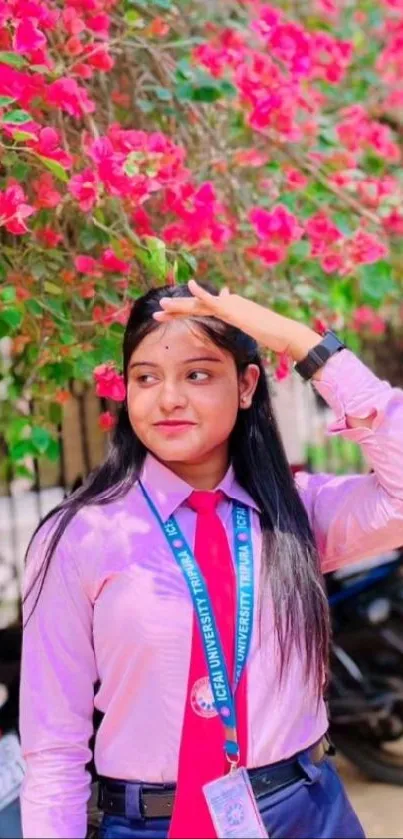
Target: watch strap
point(319, 355)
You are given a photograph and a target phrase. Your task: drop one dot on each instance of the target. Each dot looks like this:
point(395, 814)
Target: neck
point(204, 474)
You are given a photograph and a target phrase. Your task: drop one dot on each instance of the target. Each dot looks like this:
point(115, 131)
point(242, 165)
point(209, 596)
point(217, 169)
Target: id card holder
point(233, 808)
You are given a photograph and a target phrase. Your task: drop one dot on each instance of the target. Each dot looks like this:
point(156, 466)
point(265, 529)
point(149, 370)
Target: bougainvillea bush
point(148, 141)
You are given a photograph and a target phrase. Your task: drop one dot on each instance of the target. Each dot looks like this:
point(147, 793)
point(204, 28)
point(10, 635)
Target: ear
point(247, 385)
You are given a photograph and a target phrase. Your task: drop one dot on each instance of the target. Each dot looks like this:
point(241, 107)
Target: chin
point(177, 453)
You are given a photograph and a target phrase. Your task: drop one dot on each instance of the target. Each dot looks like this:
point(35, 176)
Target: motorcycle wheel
point(378, 761)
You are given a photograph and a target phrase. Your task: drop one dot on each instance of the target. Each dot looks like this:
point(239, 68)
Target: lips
point(174, 424)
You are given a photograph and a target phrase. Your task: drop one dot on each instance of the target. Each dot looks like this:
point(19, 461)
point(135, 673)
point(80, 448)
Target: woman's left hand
point(274, 331)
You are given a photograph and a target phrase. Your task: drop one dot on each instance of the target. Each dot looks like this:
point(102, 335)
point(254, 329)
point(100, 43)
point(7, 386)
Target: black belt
point(156, 800)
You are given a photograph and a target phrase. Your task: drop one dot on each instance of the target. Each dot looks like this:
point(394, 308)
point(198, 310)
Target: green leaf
point(154, 258)
point(56, 168)
point(59, 372)
point(182, 270)
point(20, 170)
point(377, 281)
point(52, 288)
point(12, 59)
point(24, 448)
point(40, 438)
point(205, 90)
point(133, 18)
point(12, 317)
point(53, 450)
point(16, 117)
point(16, 429)
point(55, 413)
point(8, 294)
point(92, 236)
point(145, 105)
point(5, 101)
point(22, 136)
point(33, 307)
point(163, 93)
point(22, 471)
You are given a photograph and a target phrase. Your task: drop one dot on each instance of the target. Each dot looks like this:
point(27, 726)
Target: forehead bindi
point(174, 343)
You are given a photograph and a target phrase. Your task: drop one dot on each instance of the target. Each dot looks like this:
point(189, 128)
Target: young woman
point(179, 592)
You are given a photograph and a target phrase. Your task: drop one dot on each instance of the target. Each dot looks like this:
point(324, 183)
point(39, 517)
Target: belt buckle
point(157, 805)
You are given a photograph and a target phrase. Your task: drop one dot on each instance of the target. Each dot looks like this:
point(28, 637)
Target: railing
point(24, 502)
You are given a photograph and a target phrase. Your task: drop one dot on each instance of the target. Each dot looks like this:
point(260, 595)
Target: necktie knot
point(205, 502)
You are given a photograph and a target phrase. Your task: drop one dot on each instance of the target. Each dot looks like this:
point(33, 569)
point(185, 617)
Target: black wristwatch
point(319, 355)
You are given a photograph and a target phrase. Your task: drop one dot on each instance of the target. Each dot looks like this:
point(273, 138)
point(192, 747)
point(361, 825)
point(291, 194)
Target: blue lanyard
point(222, 691)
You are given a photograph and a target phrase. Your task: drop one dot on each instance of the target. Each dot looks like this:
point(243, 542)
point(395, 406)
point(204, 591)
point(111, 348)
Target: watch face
point(317, 357)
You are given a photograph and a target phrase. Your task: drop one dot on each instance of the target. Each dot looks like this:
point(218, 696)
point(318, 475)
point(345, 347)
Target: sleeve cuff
point(351, 389)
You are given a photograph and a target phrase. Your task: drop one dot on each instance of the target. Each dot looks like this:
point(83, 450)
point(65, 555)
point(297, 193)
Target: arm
point(353, 516)
point(58, 675)
point(358, 516)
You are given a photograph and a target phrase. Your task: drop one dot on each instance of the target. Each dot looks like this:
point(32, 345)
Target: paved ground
point(379, 806)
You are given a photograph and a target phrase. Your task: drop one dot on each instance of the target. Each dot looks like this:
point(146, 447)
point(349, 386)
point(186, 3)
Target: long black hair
point(290, 559)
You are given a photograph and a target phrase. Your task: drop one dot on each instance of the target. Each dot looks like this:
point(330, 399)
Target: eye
point(198, 376)
point(146, 379)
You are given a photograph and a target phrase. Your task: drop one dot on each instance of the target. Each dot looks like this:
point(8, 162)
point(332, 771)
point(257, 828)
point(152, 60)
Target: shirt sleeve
point(358, 516)
point(57, 690)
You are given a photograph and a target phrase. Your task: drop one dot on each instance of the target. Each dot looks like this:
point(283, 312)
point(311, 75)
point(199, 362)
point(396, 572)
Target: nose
point(172, 396)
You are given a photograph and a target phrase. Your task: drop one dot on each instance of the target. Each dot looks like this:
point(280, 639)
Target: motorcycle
point(365, 692)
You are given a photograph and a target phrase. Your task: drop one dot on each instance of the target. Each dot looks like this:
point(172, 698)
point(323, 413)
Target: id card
point(233, 807)
point(11, 769)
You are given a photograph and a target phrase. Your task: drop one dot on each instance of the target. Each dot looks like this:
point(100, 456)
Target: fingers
point(179, 307)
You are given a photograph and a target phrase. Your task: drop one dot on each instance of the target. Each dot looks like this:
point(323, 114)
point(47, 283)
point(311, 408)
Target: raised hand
point(274, 331)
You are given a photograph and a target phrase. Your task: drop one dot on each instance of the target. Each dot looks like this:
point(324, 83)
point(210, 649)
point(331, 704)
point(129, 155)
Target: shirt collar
point(168, 492)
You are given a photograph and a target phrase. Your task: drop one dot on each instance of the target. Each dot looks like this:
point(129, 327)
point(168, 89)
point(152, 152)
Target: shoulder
point(97, 540)
point(91, 528)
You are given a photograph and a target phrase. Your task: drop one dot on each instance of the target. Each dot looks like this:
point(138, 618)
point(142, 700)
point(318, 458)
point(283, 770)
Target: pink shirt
point(115, 609)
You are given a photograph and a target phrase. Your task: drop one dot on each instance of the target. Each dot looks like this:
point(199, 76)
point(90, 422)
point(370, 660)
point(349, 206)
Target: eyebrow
point(186, 361)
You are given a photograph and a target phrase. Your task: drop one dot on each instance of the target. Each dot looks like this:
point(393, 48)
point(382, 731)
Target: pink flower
point(100, 59)
point(73, 23)
point(250, 157)
point(48, 196)
point(48, 237)
point(366, 318)
point(99, 24)
point(366, 248)
point(14, 209)
point(268, 254)
point(28, 37)
point(332, 263)
point(283, 368)
point(108, 383)
point(295, 179)
point(158, 27)
point(393, 223)
point(70, 97)
point(48, 144)
point(111, 262)
point(142, 222)
point(86, 265)
point(106, 421)
point(84, 188)
point(277, 225)
point(322, 231)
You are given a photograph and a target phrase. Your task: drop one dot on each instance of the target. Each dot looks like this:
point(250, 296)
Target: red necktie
point(202, 757)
